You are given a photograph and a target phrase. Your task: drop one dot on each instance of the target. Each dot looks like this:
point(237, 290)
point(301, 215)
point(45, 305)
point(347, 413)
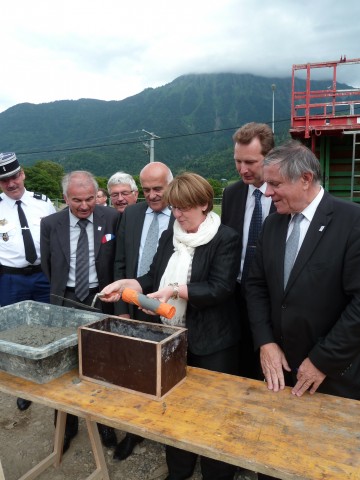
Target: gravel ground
point(26, 438)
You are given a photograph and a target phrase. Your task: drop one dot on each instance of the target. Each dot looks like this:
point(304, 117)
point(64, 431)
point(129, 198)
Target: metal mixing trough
point(38, 341)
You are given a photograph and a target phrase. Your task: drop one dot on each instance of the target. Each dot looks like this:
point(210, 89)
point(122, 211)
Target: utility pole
point(273, 87)
point(152, 145)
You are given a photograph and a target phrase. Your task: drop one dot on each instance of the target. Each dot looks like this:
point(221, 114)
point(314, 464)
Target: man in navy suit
point(307, 327)
point(251, 143)
point(59, 237)
point(303, 288)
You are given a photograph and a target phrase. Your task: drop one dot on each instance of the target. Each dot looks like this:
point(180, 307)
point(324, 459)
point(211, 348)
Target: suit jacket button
point(283, 305)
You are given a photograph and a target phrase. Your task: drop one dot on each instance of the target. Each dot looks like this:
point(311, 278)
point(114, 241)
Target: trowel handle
point(132, 296)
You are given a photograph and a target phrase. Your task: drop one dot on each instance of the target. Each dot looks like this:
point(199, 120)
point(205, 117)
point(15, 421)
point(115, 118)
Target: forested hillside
point(194, 116)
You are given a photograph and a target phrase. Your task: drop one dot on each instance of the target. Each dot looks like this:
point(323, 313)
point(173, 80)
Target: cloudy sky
point(112, 49)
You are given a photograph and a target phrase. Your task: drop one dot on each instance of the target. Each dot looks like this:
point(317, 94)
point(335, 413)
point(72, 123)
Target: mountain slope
point(194, 116)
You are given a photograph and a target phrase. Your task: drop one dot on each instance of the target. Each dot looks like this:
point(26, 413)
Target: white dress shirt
point(12, 250)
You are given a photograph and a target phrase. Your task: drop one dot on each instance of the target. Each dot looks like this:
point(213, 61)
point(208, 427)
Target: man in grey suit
point(59, 239)
point(131, 251)
point(303, 288)
point(251, 143)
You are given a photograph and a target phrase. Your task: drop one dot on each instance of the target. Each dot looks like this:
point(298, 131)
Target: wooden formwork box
point(148, 358)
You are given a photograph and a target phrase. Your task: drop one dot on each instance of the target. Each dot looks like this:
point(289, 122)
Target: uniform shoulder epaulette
point(40, 196)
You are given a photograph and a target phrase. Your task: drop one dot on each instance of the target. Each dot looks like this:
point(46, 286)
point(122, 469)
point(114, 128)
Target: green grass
point(217, 209)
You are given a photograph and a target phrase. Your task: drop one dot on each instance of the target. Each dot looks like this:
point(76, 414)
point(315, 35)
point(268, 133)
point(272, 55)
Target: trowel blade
point(79, 305)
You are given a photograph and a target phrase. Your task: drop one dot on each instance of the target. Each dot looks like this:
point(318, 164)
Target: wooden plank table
point(234, 419)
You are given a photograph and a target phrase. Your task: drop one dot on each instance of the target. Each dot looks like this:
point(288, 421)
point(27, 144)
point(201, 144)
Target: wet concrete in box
point(140, 331)
point(39, 341)
point(36, 335)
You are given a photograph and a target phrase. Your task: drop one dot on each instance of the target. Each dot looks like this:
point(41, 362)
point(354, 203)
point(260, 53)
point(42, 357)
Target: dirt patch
point(26, 438)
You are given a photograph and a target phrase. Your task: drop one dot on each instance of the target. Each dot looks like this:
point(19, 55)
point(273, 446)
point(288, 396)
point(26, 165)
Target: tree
point(102, 182)
point(217, 187)
point(45, 177)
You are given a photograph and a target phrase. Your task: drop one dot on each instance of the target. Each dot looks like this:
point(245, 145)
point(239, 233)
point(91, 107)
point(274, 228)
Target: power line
point(130, 142)
point(66, 145)
point(140, 140)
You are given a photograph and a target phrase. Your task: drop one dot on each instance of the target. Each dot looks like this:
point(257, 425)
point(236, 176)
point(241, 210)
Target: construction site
point(328, 122)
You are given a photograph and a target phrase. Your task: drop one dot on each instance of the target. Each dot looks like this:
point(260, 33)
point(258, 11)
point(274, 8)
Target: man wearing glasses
point(123, 190)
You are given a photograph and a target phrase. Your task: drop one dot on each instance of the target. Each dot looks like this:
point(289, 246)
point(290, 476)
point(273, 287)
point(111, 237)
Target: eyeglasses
point(180, 209)
point(123, 194)
point(13, 177)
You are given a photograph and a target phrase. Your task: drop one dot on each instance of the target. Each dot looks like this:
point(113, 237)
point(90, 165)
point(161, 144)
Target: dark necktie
point(30, 251)
point(254, 231)
point(150, 246)
point(292, 245)
point(82, 262)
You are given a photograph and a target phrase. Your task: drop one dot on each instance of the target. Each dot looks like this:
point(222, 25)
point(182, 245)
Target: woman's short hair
point(189, 190)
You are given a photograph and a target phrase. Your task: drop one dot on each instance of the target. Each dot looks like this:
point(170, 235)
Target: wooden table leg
point(101, 472)
point(1, 472)
point(55, 457)
point(59, 436)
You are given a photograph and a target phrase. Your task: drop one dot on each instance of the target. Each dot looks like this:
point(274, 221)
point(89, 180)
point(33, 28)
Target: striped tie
point(82, 262)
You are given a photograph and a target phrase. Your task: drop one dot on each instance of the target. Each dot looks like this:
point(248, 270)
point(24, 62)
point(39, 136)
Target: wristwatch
point(175, 294)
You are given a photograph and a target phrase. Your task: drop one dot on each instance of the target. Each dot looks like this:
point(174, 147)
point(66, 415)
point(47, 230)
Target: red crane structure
point(328, 121)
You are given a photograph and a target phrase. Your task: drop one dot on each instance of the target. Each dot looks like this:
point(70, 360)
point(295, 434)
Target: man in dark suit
point(131, 250)
point(123, 191)
point(251, 143)
point(304, 310)
point(102, 197)
point(59, 240)
point(134, 226)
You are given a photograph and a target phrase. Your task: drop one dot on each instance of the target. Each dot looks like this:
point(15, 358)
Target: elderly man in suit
point(134, 227)
point(243, 203)
point(123, 191)
point(77, 256)
point(134, 254)
point(303, 289)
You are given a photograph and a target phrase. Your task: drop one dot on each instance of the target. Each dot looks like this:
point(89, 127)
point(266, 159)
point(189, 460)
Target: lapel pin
point(99, 228)
point(321, 228)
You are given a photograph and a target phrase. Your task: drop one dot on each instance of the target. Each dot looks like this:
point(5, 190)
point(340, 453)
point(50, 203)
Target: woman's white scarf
point(179, 263)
